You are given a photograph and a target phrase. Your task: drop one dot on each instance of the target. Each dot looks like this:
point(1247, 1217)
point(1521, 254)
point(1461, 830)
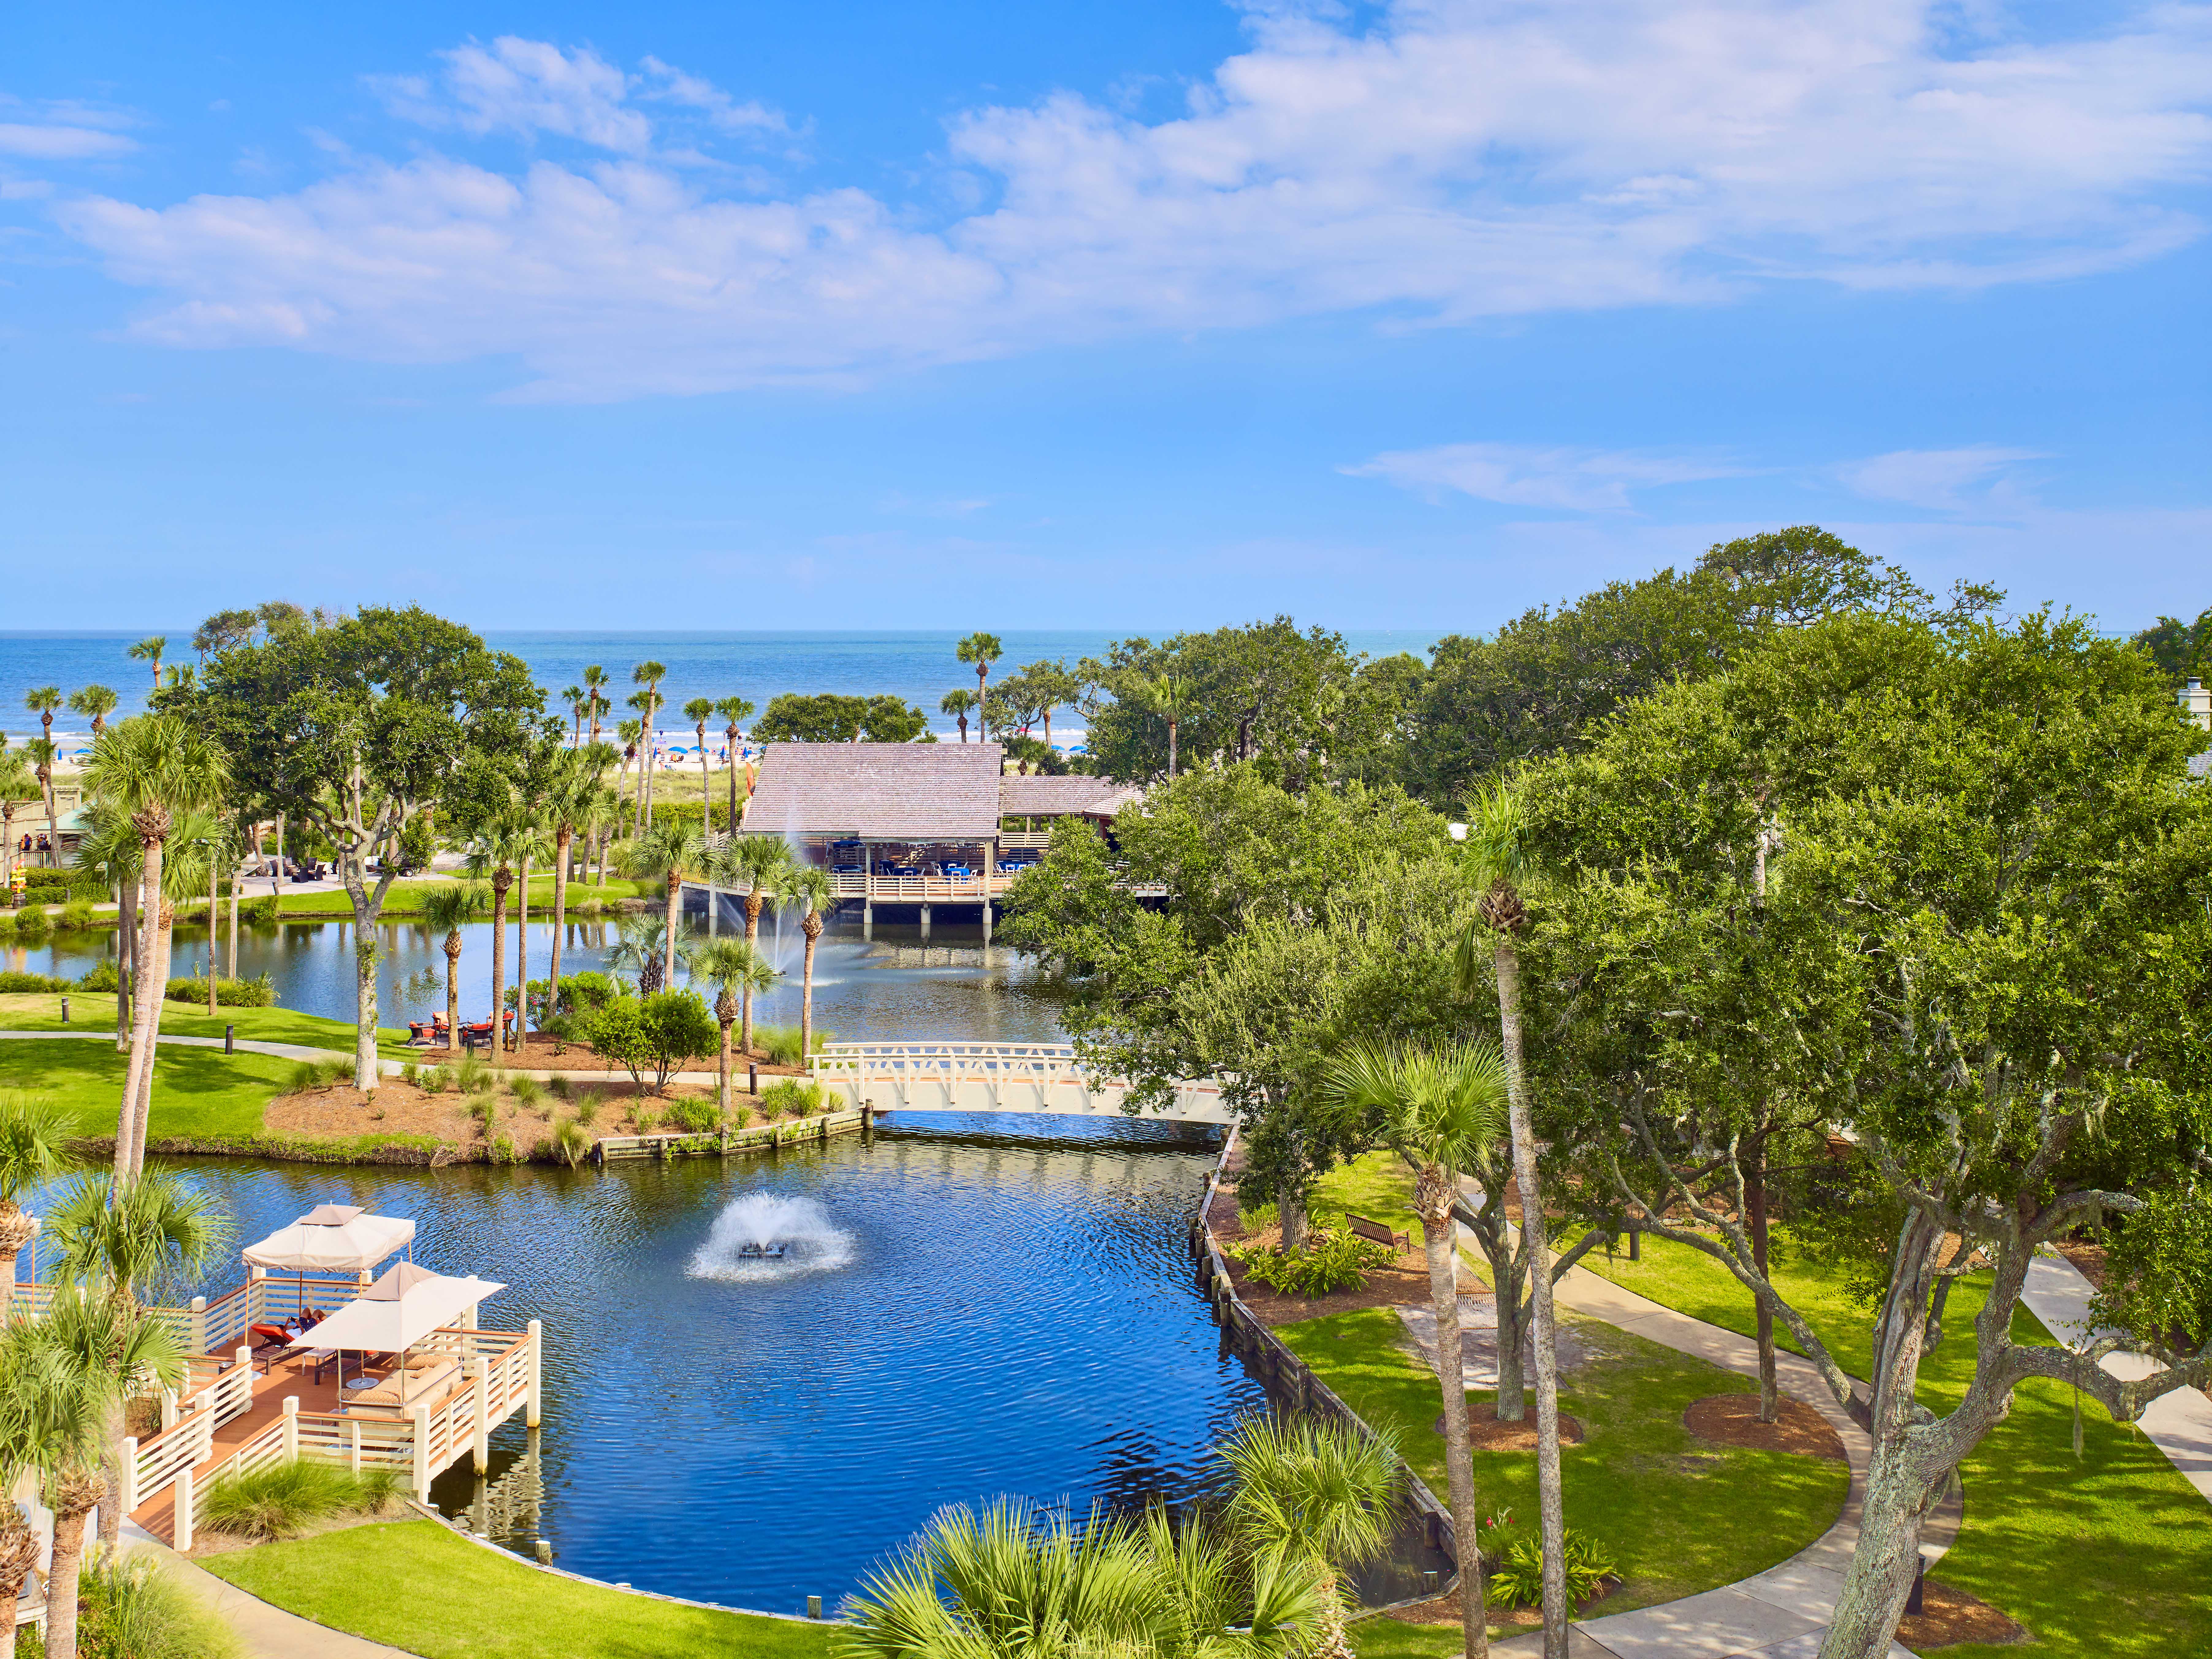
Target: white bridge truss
point(989, 1076)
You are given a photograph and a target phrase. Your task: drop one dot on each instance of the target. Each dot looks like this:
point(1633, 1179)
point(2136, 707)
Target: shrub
point(1332, 1260)
point(435, 1080)
point(561, 1028)
point(647, 1120)
point(656, 1035)
point(228, 992)
point(697, 1116)
point(32, 982)
point(740, 1115)
point(503, 1150)
point(587, 1106)
point(485, 1109)
point(262, 912)
point(1519, 1580)
point(411, 1073)
point(582, 993)
point(280, 1500)
point(571, 1143)
point(130, 1606)
point(1258, 1218)
point(32, 927)
point(788, 1094)
point(106, 977)
point(561, 1088)
point(7, 926)
point(77, 915)
point(309, 1075)
point(471, 1074)
point(526, 1090)
point(780, 1043)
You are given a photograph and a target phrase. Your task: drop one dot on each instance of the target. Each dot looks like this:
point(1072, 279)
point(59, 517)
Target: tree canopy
point(830, 717)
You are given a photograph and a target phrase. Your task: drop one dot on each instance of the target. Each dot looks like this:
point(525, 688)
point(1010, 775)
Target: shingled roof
point(885, 791)
point(1040, 796)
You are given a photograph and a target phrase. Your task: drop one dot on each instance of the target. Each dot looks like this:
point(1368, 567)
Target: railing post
point(195, 1335)
point(128, 1500)
point(530, 1405)
point(256, 1293)
point(481, 1439)
point(168, 1409)
point(353, 1436)
point(421, 1454)
point(291, 1426)
point(181, 1530)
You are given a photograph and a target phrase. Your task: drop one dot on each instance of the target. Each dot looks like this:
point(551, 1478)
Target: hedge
point(228, 992)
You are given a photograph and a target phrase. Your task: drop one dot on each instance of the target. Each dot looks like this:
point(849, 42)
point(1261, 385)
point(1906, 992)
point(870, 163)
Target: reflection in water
point(1015, 1315)
point(892, 988)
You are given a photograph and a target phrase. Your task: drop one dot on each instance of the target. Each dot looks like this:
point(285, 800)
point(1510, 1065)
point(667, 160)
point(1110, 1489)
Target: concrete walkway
point(263, 1631)
point(2179, 1424)
point(1780, 1614)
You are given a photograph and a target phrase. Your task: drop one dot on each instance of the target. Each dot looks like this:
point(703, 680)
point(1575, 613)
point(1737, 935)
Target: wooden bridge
point(990, 1077)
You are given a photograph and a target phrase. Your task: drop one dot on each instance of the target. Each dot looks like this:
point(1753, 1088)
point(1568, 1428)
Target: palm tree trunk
point(213, 899)
point(14, 1233)
point(1171, 749)
point(453, 991)
point(498, 970)
point(675, 918)
point(706, 790)
point(1550, 1498)
point(164, 939)
point(126, 967)
point(563, 838)
point(110, 1515)
point(62, 1577)
point(234, 885)
point(722, 1090)
point(19, 1558)
point(522, 958)
point(1436, 1245)
point(811, 927)
point(752, 938)
point(731, 736)
point(143, 1014)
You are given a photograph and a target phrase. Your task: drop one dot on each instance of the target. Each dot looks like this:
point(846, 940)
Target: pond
point(973, 1306)
point(893, 987)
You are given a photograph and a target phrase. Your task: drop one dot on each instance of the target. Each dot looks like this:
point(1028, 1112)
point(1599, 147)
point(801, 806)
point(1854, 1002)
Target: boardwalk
point(991, 1077)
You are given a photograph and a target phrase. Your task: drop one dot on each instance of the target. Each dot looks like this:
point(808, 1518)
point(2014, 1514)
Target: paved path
point(1779, 1614)
point(2179, 1424)
point(390, 1067)
point(263, 1631)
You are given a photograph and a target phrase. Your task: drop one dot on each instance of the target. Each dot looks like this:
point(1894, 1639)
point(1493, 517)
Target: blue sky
point(1138, 316)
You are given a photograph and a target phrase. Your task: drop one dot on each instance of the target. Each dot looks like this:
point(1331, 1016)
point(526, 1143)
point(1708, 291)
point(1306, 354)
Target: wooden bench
point(1363, 1228)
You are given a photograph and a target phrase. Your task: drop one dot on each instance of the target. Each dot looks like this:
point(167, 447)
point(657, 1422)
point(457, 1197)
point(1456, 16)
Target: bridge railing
point(958, 1076)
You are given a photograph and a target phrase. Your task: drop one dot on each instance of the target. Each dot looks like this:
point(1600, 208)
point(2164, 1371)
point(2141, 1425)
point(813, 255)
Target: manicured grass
point(1377, 1185)
point(197, 1092)
point(2108, 1554)
point(1679, 1515)
point(93, 1011)
point(405, 895)
point(416, 1586)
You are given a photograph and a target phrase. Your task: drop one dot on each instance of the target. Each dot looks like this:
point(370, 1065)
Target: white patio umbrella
point(332, 1238)
point(402, 1308)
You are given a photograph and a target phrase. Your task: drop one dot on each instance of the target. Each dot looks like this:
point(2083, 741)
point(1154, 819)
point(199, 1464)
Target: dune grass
point(2106, 1554)
point(1679, 1515)
point(416, 1586)
point(197, 1092)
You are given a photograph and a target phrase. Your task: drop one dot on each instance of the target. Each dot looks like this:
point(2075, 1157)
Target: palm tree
point(152, 768)
point(735, 712)
point(503, 842)
point(447, 907)
point(957, 702)
point(150, 650)
point(529, 849)
point(1318, 1492)
point(807, 886)
point(641, 945)
point(574, 696)
point(1443, 1111)
point(17, 782)
point(49, 1420)
point(761, 864)
point(649, 675)
point(108, 847)
point(729, 964)
point(95, 1351)
point(1169, 696)
point(97, 702)
point(204, 840)
point(699, 711)
point(663, 853)
point(1498, 862)
point(569, 792)
point(43, 702)
point(642, 702)
point(34, 1147)
point(128, 1243)
point(595, 680)
point(982, 650)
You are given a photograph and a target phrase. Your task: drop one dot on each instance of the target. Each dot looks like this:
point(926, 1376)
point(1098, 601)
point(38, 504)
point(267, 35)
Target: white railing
point(988, 1077)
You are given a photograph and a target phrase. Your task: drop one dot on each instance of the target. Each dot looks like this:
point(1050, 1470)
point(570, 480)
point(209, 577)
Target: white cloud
point(61, 130)
point(1458, 160)
point(1979, 477)
point(1520, 475)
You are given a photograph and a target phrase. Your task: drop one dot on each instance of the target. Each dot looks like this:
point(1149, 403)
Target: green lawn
point(96, 1011)
point(2108, 1554)
point(197, 1092)
point(402, 900)
point(415, 1585)
point(1672, 1509)
point(1379, 1185)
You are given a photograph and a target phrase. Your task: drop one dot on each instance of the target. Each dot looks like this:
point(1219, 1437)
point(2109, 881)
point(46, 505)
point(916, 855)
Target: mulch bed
point(540, 1053)
point(1444, 1610)
point(1949, 1616)
point(1488, 1433)
point(1732, 1420)
point(1405, 1280)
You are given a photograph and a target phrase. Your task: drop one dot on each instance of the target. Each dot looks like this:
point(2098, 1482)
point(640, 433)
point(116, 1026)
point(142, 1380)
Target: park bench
point(1363, 1228)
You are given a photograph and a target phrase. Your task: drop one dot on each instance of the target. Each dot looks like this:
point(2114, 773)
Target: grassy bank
point(197, 1092)
point(414, 1585)
point(91, 1011)
point(405, 899)
point(2107, 1553)
point(1679, 1514)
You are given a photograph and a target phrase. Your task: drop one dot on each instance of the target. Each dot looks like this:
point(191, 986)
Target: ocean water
point(920, 666)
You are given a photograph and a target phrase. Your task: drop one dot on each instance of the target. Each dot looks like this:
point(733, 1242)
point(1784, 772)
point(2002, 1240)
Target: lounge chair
point(424, 1387)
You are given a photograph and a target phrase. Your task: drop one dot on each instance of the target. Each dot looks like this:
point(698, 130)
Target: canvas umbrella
point(402, 1308)
point(332, 1238)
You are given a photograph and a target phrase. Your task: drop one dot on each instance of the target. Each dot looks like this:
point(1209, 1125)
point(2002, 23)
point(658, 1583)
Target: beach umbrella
point(332, 1238)
point(402, 1308)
